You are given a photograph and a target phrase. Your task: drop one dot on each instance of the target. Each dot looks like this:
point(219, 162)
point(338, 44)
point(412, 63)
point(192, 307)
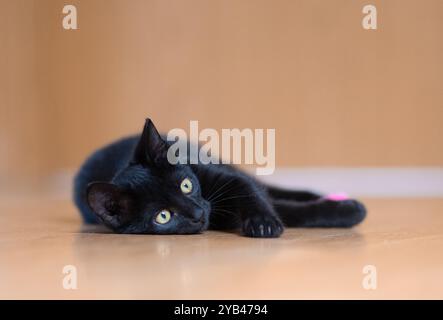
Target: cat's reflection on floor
point(153, 265)
point(96, 242)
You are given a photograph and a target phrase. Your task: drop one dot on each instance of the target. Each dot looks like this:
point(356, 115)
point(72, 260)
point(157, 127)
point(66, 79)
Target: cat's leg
point(277, 193)
point(322, 213)
point(238, 201)
point(262, 225)
point(257, 215)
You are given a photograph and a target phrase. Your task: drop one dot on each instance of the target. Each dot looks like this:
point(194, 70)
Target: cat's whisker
point(220, 194)
point(233, 197)
point(232, 216)
point(220, 213)
point(216, 192)
point(210, 193)
point(221, 188)
point(228, 211)
point(224, 206)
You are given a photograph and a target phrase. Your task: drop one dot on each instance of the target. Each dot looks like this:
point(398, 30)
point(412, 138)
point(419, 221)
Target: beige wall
point(337, 95)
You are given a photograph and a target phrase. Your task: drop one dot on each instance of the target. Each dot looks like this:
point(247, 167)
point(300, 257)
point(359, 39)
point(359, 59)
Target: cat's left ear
point(151, 148)
point(110, 203)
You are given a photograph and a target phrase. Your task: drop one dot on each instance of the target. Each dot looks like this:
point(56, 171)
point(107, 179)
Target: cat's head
point(151, 195)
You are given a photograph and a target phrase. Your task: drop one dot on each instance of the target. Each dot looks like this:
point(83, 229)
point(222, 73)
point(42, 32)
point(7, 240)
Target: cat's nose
point(198, 214)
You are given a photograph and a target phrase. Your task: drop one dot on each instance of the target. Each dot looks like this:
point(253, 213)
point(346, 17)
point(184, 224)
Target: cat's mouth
point(203, 223)
point(204, 220)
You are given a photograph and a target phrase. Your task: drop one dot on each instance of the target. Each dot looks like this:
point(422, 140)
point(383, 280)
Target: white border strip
point(365, 182)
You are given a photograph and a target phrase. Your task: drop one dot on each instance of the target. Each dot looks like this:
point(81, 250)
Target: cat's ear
point(151, 148)
point(110, 203)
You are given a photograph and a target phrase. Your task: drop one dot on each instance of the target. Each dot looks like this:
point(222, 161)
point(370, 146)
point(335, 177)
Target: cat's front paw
point(262, 227)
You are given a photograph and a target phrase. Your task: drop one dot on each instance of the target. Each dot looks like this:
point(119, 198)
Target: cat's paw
point(344, 213)
point(353, 210)
point(262, 227)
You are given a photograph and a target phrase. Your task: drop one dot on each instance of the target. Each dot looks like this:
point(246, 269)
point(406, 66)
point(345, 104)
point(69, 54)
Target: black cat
point(131, 187)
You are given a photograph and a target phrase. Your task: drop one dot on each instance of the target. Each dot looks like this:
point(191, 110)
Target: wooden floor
point(402, 238)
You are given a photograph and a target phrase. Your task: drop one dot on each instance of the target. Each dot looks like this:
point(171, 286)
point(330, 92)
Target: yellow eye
point(163, 217)
point(186, 186)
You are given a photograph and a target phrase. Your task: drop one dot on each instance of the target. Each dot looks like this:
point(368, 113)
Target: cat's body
point(130, 186)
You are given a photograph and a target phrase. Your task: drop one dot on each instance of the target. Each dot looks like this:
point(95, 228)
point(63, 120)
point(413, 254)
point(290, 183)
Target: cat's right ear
point(151, 149)
point(109, 203)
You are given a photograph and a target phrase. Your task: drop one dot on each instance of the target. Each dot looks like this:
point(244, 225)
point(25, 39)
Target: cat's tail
point(307, 209)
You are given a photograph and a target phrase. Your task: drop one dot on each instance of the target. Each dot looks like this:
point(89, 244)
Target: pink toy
point(337, 196)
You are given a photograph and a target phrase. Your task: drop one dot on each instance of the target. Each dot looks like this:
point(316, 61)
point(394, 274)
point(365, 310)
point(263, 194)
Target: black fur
point(127, 183)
